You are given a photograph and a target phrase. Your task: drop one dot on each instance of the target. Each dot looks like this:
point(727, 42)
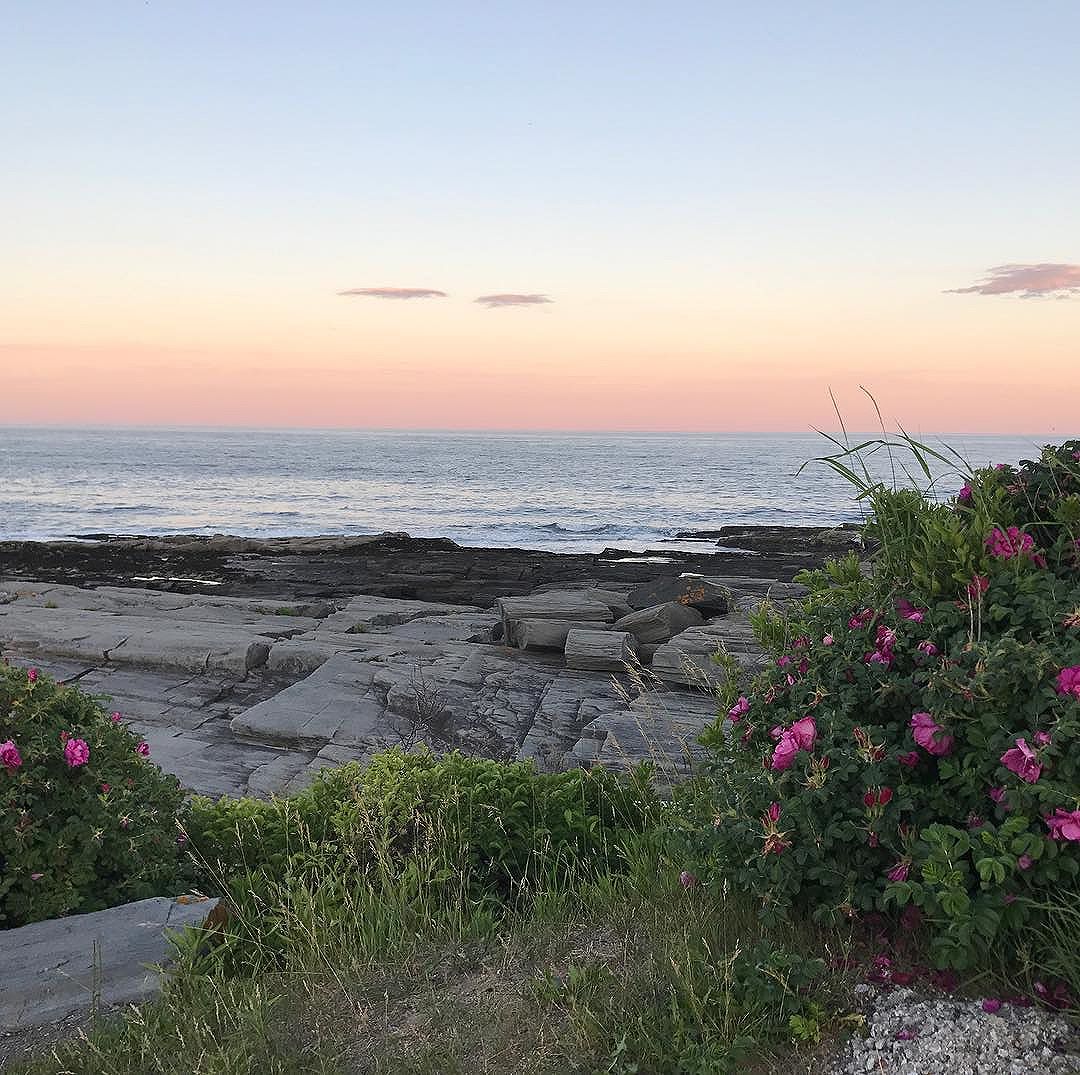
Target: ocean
point(571, 492)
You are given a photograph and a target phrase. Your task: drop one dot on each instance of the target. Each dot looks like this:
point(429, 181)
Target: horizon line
point(499, 430)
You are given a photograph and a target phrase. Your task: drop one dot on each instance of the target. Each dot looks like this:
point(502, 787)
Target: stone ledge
point(51, 970)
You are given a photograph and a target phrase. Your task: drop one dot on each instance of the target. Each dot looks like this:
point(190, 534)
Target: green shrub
point(86, 821)
point(489, 822)
point(920, 750)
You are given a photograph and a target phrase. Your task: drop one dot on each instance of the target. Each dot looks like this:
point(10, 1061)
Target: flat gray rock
point(51, 970)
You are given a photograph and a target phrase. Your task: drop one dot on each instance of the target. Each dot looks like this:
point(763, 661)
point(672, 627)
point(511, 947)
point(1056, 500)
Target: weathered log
point(599, 651)
point(660, 623)
point(548, 634)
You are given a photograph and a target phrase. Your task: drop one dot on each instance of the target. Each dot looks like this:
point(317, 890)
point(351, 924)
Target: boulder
point(695, 591)
point(600, 651)
point(548, 634)
point(659, 623)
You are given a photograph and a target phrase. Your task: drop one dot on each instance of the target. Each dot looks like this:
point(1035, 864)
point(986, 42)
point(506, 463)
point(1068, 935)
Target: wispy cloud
point(1028, 281)
point(491, 301)
point(396, 292)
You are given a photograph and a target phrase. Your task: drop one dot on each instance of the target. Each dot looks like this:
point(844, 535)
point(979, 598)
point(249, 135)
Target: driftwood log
point(599, 651)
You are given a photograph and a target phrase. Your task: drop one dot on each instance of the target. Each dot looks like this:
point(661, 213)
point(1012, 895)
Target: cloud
point(1029, 281)
point(396, 292)
point(491, 301)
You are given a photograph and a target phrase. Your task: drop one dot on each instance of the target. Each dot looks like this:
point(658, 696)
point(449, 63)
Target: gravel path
point(909, 1034)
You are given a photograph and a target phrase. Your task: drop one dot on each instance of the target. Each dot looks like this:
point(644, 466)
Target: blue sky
point(700, 163)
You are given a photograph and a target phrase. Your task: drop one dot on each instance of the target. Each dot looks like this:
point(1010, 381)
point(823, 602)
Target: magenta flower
point(76, 753)
point(802, 642)
point(804, 732)
point(861, 619)
point(828, 640)
point(739, 709)
point(928, 648)
point(997, 794)
point(991, 1006)
point(144, 749)
point(909, 612)
point(926, 733)
point(964, 495)
point(1025, 862)
point(774, 812)
point(10, 756)
point(784, 661)
point(979, 584)
point(1068, 681)
point(1064, 825)
point(800, 736)
point(784, 753)
point(32, 676)
point(1022, 761)
point(687, 879)
point(1042, 738)
point(1007, 544)
point(116, 718)
point(900, 871)
point(910, 759)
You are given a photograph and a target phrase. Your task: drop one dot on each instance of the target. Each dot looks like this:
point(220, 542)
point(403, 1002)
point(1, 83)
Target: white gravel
point(911, 1034)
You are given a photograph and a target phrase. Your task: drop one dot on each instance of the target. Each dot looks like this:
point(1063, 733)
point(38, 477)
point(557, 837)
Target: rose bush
point(86, 821)
point(915, 743)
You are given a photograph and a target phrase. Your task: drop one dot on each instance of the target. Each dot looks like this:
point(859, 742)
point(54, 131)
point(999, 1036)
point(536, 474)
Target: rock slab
point(50, 970)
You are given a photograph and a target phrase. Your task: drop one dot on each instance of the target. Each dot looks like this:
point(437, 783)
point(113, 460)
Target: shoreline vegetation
point(881, 841)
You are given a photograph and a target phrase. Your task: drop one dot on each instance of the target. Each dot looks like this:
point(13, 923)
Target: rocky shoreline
point(251, 664)
point(397, 565)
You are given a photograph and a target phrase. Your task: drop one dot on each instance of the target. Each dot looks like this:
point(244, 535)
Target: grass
point(622, 973)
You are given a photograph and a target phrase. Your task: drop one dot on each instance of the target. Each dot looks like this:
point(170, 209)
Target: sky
point(699, 216)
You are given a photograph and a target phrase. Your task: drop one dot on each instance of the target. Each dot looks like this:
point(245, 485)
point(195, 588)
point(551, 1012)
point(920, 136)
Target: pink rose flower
point(1025, 862)
point(32, 676)
point(997, 794)
point(1007, 544)
point(964, 495)
point(1042, 738)
point(784, 753)
point(928, 648)
point(1064, 825)
point(804, 732)
point(774, 812)
point(909, 612)
point(143, 749)
point(10, 756)
point(687, 879)
point(926, 733)
point(1068, 681)
point(910, 759)
point(828, 640)
point(76, 753)
point(116, 718)
point(739, 709)
point(991, 1006)
point(1022, 761)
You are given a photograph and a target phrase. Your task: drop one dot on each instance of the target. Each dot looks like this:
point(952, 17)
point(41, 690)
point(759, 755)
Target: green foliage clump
point(915, 748)
point(86, 821)
point(489, 822)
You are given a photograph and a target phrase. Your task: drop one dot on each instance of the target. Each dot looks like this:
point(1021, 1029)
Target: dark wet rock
point(705, 595)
